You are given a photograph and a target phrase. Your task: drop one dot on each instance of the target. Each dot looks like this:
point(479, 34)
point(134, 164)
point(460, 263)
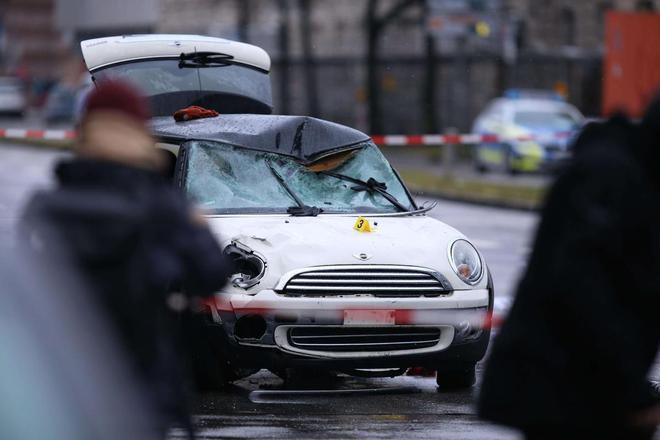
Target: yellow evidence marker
point(362, 225)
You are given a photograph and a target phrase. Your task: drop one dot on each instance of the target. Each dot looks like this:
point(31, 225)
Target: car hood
point(289, 243)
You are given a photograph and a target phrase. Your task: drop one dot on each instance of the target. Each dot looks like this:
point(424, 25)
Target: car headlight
point(249, 268)
point(465, 261)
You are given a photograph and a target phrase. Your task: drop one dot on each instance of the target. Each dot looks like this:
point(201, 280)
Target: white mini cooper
point(337, 267)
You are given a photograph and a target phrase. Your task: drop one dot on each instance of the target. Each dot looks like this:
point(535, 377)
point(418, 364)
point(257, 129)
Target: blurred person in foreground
point(132, 236)
point(573, 356)
point(63, 376)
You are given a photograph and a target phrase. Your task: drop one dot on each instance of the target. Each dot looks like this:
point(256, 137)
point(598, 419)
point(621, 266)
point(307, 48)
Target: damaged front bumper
point(269, 330)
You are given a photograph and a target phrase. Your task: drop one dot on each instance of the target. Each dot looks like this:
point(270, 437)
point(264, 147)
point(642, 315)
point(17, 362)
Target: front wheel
point(209, 368)
point(455, 378)
point(509, 162)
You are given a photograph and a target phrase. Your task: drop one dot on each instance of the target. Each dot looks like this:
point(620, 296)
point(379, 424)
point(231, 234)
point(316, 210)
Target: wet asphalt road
point(503, 236)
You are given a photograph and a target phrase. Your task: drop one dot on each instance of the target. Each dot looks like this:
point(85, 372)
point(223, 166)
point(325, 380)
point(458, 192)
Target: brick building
point(30, 40)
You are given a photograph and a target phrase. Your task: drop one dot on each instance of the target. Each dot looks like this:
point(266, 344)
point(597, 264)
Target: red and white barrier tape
point(22, 133)
point(457, 139)
point(390, 140)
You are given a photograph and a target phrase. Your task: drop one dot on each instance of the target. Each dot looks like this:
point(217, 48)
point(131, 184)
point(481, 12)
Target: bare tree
point(309, 63)
point(243, 20)
point(429, 88)
point(376, 24)
point(283, 42)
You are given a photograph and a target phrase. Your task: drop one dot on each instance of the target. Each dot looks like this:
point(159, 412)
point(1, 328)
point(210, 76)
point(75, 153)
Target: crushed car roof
point(302, 137)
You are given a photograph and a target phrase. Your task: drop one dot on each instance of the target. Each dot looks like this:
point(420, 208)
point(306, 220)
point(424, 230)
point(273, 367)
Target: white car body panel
point(100, 52)
point(290, 243)
point(12, 102)
point(12, 96)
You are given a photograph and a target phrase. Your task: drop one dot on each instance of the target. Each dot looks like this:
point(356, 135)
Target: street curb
point(500, 204)
point(523, 198)
point(39, 143)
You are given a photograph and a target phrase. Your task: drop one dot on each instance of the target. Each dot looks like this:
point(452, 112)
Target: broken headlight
point(465, 261)
point(248, 267)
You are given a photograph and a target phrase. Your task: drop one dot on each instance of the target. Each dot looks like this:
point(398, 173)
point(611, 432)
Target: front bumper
point(457, 318)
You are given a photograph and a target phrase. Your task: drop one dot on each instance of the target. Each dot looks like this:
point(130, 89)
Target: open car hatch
point(177, 71)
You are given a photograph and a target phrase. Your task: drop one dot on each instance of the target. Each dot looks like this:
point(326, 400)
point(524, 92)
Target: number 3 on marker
point(362, 225)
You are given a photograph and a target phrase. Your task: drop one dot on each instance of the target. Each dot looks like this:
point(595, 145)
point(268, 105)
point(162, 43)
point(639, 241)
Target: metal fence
point(461, 86)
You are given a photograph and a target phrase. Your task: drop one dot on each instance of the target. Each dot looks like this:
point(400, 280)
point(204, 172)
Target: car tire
point(481, 168)
point(456, 378)
point(508, 162)
point(212, 376)
point(210, 371)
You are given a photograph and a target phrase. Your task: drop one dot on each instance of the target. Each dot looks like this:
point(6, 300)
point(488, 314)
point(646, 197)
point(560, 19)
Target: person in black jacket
point(572, 358)
point(132, 236)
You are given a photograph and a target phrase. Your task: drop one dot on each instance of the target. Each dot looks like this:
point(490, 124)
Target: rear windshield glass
point(228, 89)
point(223, 179)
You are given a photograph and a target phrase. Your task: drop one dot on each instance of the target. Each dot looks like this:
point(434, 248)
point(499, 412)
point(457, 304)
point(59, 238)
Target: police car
point(531, 131)
point(337, 266)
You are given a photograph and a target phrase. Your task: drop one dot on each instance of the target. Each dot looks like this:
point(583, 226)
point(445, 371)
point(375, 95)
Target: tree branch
point(396, 10)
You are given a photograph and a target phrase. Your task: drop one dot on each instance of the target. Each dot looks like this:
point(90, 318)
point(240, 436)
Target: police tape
point(23, 133)
point(390, 140)
point(465, 319)
point(395, 140)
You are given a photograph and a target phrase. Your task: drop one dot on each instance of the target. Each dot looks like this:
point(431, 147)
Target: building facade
point(322, 58)
point(555, 41)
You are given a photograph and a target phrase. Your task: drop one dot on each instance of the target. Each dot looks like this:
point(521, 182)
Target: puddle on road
point(306, 397)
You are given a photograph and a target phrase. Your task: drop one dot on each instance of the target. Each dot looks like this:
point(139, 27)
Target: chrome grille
point(356, 339)
point(380, 281)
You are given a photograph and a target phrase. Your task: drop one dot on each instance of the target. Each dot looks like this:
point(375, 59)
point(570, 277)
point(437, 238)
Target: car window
point(546, 120)
point(490, 118)
point(227, 179)
point(10, 85)
point(171, 87)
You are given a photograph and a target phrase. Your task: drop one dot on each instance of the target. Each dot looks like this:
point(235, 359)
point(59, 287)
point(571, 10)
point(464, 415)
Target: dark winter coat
point(584, 329)
point(131, 235)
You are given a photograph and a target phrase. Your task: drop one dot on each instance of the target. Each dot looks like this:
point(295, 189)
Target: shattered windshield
point(224, 179)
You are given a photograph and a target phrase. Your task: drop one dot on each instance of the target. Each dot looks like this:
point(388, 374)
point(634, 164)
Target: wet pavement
point(424, 413)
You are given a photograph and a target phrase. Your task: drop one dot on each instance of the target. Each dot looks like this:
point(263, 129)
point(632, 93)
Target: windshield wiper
point(204, 59)
point(301, 210)
point(371, 186)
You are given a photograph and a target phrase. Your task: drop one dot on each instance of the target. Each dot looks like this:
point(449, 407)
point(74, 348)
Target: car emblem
point(363, 256)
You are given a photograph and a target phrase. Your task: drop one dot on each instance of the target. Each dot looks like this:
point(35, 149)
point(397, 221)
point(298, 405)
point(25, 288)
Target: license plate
point(369, 317)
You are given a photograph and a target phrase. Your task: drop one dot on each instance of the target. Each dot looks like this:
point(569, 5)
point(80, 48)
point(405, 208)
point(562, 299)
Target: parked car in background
point(12, 96)
point(63, 104)
point(336, 266)
point(67, 96)
point(533, 130)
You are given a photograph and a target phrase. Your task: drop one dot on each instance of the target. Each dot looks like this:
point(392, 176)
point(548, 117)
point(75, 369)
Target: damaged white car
point(337, 267)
